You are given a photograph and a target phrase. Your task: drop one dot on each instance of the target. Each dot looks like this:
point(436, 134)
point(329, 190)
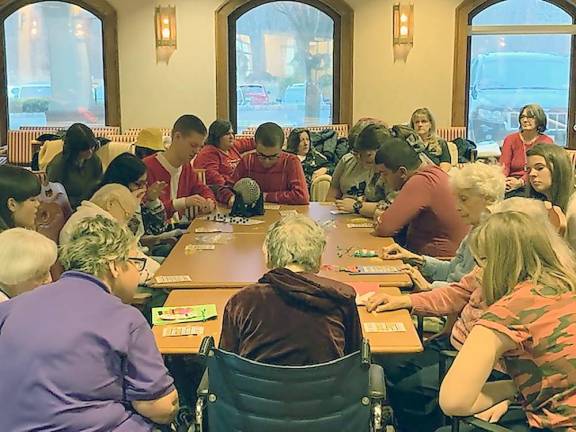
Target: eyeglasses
point(139, 184)
point(526, 116)
point(138, 262)
point(262, 156)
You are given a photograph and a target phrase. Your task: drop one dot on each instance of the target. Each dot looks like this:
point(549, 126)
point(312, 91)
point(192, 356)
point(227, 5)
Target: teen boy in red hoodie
point(183, 188)
point(278, 173)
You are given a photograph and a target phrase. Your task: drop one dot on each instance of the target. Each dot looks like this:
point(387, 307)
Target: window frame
point(107, 15)
point(342, 15)
point(465, 13)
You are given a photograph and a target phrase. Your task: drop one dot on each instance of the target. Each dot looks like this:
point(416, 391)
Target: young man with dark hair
point(278, 173)
point(425, 203)
point(184, 190)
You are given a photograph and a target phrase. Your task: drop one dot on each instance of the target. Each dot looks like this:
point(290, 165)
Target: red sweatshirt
point(220, 166)
point(513, 156)
point(181, 183)
point(283, 183)
point(427, 205)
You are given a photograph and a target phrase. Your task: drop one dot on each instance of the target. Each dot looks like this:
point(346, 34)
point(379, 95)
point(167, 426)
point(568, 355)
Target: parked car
point(502, 83)
point(253, 94)
point(31, 91)
point(296, 94)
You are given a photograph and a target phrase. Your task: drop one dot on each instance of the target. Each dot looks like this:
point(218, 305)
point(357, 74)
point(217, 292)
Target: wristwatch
point(357, 206)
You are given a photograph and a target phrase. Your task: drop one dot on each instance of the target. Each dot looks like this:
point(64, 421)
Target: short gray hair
point(25, 255)
point(118, 193)
point(295, 239)
point(94, 243)
point(486, 180)
point(539, 115)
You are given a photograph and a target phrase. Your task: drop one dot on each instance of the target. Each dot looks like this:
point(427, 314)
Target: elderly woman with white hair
point(75, 356)
point(26, 258)
point(476, 186)
point(114, 202)
point(292, 317)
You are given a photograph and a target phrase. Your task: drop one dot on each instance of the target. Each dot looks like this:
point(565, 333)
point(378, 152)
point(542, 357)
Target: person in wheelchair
point(529, 283)
point(292, 317)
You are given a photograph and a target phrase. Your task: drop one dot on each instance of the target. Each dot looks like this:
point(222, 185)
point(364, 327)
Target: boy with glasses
point(279, 174)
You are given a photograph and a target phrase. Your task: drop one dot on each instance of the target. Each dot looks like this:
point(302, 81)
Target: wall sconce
point(402, 30)
point(165, 24)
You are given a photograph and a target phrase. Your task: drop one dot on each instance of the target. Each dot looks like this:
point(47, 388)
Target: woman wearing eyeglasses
point(75, 355)
point(532, 120)
point(150, 219)
point(114, 202)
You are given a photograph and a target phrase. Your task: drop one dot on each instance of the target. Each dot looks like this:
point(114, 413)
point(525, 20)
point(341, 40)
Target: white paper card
point(200, 247)
point(182, 331)
point(172, 279)
point(384, 327)
point(360, 225)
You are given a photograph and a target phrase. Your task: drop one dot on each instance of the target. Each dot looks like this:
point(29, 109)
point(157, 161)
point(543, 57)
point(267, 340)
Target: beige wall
point(155, 94)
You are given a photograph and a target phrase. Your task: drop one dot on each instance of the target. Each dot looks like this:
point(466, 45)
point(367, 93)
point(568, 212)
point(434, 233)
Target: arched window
point(60, 64)
point(511, 53)
point(284, 61)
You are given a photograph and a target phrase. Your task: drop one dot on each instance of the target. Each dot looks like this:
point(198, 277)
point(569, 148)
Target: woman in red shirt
point(532, 120)
point(223, 152)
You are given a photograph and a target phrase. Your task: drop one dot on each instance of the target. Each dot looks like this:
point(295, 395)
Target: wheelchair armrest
point(449, 353)
point(376, 383)
point(484, 425)
point(203, 386)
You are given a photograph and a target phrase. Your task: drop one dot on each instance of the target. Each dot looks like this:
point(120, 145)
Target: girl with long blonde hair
point(529, 284)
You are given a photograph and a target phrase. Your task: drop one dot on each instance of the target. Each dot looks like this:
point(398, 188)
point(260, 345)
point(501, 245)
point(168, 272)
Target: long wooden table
point(238, 260)
point(380, 343)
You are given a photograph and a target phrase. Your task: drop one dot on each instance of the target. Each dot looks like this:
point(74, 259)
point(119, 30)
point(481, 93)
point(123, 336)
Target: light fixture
point(165, 24)
point(403, 24)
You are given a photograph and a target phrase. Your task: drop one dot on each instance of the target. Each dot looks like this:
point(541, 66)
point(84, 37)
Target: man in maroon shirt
point(279, 174)
point(425, 202)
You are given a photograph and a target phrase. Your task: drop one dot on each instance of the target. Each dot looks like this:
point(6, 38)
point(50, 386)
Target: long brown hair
point(561, 170)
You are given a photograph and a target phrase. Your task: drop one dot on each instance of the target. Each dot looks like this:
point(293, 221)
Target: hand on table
point(395, 251)
point(196, 201)
point(208, 207)
point(346, 204)
point(419, 281)
point(495, 413)
point(382, 302)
